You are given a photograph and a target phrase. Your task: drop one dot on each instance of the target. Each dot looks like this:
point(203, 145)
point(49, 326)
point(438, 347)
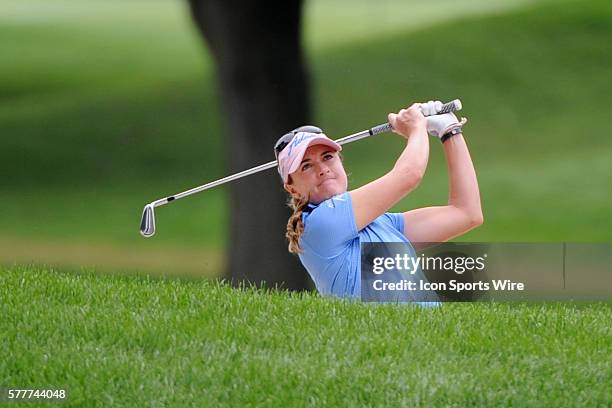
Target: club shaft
point(347, 139)
point(215, 183)
point(452, 106)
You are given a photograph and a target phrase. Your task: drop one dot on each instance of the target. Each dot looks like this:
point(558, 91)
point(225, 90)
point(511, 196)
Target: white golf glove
point(438, 125)
point(431, 108)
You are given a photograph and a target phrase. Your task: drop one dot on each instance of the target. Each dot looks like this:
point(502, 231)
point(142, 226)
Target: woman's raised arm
point(463, 211)
point(375, 198)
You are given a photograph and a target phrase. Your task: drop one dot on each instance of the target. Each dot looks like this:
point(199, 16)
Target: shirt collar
point(309, 207)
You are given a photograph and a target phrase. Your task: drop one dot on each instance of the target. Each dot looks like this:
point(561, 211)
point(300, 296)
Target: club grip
point(385, 127)
point(452, 106)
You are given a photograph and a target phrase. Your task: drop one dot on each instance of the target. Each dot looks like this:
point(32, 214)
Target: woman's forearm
point(463, 190)
point(411, 164)
point(375, 198)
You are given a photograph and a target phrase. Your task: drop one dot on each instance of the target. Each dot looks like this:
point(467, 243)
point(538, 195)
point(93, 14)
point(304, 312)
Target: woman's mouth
point(324, 181)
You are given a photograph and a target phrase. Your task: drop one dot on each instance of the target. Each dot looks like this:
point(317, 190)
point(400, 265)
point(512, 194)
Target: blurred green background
point(108, 105)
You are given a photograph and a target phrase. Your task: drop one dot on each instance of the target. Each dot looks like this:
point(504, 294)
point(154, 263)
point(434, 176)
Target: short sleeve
point(397, 219)
point(330, 226)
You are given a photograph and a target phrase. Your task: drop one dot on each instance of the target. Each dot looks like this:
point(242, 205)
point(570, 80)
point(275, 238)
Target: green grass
point(139, 341)
point(109, 105)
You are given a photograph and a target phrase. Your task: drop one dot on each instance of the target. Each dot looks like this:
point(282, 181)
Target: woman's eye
point(328, 156)
point(305, 167)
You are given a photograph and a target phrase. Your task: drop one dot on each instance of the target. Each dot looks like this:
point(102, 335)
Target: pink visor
point(290, 158)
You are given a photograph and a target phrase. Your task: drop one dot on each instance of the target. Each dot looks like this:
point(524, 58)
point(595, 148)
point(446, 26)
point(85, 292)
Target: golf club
point(147, 223)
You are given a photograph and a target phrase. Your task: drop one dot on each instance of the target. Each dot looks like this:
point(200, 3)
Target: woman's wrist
point(457, 130)
point(417, 132)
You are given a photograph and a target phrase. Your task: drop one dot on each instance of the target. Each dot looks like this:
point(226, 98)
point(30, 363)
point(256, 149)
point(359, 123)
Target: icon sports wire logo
point(481, 271)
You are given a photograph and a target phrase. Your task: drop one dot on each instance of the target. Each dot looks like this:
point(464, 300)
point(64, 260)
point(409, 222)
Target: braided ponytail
point(295, 226)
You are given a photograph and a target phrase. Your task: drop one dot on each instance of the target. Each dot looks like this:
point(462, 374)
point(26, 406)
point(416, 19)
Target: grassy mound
point(137, 341)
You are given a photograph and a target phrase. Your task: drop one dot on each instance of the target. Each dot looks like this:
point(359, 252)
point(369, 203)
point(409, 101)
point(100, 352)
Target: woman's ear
point(290, 189)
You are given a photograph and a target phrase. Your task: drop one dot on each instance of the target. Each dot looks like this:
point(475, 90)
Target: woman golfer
point(329, 223)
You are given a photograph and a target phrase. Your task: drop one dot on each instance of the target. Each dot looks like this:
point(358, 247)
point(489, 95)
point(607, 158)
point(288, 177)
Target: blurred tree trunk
point(265, 92)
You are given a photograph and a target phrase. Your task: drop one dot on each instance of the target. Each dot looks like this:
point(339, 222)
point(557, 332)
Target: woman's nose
point(323, 169)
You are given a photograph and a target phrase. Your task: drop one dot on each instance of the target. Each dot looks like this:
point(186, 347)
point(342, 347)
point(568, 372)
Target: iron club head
point(147, 224)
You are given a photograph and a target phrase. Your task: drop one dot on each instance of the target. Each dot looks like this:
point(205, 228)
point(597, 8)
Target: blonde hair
point(295, 226)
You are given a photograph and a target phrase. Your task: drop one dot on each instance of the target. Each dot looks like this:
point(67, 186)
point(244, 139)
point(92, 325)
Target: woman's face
point(321, 175)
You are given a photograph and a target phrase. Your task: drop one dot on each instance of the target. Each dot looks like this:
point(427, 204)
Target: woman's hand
point(408, 121)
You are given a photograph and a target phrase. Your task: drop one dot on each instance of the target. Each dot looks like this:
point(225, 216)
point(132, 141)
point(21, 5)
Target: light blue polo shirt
point(331, 245)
